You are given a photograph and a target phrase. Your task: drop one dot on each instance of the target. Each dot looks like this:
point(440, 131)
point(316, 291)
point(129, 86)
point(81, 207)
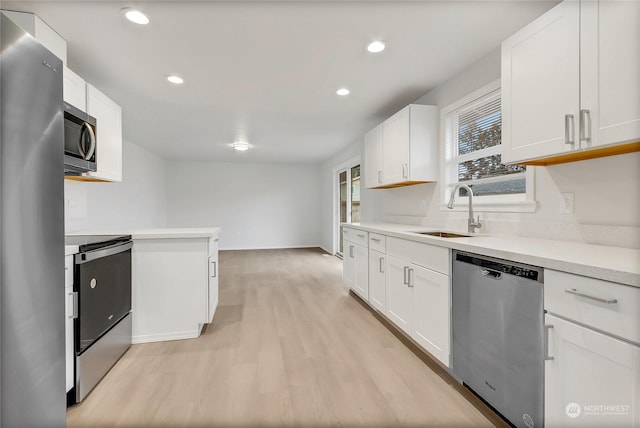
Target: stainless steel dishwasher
point(498, 334)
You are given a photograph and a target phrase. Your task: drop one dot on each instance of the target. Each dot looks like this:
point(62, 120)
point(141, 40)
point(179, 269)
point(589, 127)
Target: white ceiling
point(268, 71)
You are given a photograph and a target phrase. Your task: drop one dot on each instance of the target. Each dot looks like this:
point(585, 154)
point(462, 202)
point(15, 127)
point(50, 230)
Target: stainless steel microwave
point(80, 141)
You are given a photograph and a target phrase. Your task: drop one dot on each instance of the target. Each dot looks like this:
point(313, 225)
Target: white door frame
point(345, 166)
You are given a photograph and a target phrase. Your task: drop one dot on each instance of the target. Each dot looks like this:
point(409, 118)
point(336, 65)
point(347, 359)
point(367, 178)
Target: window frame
point(521, 202)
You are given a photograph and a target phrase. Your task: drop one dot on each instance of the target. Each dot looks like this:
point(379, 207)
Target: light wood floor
point(289, 346)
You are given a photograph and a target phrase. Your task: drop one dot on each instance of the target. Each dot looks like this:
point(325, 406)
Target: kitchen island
point(175, 281)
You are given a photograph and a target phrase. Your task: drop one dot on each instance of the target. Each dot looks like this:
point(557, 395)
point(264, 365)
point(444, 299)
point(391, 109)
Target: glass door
point(348, 200)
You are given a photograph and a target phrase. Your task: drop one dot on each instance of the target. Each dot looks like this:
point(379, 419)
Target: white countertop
point(166, 233)
point(70, 250)
point(615, 264)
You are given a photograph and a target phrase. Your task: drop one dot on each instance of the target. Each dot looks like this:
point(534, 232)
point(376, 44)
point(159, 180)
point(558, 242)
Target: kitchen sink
point(445, 234)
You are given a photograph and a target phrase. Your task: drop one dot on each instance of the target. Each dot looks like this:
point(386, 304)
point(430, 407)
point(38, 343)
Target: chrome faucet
point(472, 225)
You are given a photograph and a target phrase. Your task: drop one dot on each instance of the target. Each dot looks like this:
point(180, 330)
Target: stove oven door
point(103, 283)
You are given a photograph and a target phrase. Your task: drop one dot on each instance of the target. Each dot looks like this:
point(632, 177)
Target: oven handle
point(102, 252)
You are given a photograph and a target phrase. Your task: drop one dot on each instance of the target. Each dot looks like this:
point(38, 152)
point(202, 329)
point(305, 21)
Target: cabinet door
point(540, 85)
point(74, 89)
point(399, 294)
point(377, 281)
point(610, 70)
point(431, 305)
point(373, 157)
point(588, 372)
point(68, 338)
point(109, 135)
point(361, 279)
point(395, 147)
point(213, 287)
point(349, 264)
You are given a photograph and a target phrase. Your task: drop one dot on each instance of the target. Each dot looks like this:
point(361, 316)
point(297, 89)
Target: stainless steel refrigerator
point(32, 359)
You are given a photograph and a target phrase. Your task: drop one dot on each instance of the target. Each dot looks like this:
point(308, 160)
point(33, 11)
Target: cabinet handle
point(406, 271)
point(381, 264)
point(215, 269)
point(360, 235)
point(379, 176)
point(375, 239)
point(405, 170)
point(547, 357)
point(608, 300)
point(74, 304)
point(569, 127)
point(585, 130)
point(351, 251)
point(410, 281)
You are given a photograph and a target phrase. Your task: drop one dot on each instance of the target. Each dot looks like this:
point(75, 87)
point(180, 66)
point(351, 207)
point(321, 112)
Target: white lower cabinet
point(377, 281)
point(592, 379)
point(175, 287)
point(355, 270)
point(213, 278)
point(431, 309)
point(400, 306)
point(407, 281)
point(356, 260)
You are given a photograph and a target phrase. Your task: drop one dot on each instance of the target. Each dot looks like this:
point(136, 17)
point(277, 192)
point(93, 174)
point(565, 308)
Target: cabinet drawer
point(425, 255)
point(68, 271)
point(583, 299)
point(355, 236)
point(377, 242)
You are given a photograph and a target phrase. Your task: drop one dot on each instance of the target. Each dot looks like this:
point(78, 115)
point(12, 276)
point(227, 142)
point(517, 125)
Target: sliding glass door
point(348, 199)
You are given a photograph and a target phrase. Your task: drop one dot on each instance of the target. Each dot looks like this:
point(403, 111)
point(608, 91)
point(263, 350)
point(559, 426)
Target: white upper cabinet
point(540, 85)
point(406, 152)
point(74, 90)
point(610, 70)
point(42, 32)
point(373, 157)
point(396, 138)
point(570, 83)
point(109, 135)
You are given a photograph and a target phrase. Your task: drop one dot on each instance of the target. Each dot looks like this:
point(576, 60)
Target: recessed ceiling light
point(240, 146)
point(342, 92)
point(376, 46)
point(135, 16)
point(175, 79)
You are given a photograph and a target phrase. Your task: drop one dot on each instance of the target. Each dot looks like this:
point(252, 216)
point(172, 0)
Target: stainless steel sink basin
point(445, 234)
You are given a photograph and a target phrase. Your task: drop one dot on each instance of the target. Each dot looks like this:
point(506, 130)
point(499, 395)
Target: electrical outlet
point(566, 203)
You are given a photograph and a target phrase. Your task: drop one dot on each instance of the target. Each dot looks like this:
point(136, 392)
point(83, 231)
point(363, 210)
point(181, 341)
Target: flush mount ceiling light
point(376, 46)
point(241, 146)
point(343, 91)
point(135, 16)
point(177, 80)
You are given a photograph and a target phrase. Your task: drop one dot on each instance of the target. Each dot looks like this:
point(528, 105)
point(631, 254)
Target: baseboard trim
point(434, 365)
point(272, 248)
point(163, 337)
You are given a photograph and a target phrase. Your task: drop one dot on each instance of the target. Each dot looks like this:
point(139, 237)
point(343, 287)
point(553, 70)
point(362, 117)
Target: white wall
point(607, 200)
point(139, 201)
point(258, 205)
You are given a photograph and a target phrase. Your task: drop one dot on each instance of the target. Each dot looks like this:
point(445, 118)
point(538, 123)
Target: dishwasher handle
point(491, 273)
